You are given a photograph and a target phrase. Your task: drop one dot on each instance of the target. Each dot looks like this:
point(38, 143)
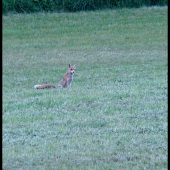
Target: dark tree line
point(28, 6)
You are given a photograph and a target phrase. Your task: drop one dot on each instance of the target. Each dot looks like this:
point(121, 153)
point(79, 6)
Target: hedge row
point(28, 6)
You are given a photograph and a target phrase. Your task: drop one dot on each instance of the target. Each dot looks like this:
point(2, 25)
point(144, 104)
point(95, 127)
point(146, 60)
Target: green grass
point(115, 114)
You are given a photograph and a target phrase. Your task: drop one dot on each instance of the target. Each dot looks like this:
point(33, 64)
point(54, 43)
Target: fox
point(65, 81)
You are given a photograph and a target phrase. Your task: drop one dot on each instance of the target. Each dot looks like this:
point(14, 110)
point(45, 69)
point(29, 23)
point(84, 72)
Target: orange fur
point(65, 81)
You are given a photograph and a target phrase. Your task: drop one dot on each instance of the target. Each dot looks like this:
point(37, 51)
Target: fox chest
point(69, 80)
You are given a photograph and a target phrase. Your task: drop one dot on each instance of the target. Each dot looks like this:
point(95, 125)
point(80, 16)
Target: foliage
point(73, 5)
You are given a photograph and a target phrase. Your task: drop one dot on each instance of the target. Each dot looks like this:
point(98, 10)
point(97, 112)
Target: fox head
point(71, 68)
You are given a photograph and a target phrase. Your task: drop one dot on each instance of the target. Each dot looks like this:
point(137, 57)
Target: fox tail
point(44, 86)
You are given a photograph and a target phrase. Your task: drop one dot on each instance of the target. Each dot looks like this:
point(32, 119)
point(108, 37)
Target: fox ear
point(69, 66)
point(74, 66)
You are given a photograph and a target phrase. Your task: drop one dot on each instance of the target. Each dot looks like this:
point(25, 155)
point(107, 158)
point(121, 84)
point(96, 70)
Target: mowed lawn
point(115, 114)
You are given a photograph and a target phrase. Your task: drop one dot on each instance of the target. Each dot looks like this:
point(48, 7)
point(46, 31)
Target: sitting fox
point(65, 81)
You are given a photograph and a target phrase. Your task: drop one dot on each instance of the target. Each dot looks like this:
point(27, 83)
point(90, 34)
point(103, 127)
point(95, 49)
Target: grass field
point(115, 114)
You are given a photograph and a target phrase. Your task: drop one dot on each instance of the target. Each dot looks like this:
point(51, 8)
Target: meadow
point(115, 114)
